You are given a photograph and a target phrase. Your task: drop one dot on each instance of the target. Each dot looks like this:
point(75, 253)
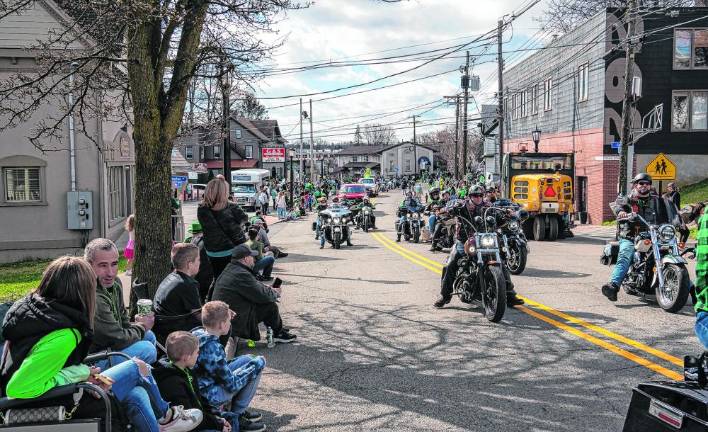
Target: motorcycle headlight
point(366, 212)
point(487, 241)
point(667, 233)
point(514, 225)
point(415, 215)
point(336, 220)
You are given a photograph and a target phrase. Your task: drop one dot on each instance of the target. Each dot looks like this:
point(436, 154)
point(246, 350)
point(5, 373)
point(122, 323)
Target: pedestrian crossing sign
point(661, 168)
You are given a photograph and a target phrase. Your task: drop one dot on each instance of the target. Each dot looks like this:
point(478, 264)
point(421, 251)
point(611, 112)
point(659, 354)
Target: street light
point(536, 136)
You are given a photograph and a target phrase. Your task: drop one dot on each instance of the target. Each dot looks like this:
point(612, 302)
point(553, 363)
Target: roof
point(178, 162)
point(407, 143)
point(270, 129)
point(239, 163)
point(359, 150)
point(246, 123)
point(361, 165)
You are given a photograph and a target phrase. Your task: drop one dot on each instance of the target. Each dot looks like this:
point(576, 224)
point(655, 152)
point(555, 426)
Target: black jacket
point(30, 319)
point(222, 228)
point(171, 314)
point(653, 208)
point(179, 387)
point(238, 287)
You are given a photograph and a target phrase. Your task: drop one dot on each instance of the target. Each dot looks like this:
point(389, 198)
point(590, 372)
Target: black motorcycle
point(364, 219)
point(516, 249)
point(335, 225)
point(658, 269)
point(409, 224)
point(480, 276)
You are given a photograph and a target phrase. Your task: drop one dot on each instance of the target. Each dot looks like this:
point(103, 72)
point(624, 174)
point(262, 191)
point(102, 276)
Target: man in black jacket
point(253, 301)
point(177, 303)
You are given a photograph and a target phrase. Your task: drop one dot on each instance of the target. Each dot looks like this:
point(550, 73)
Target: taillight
point(647, 242)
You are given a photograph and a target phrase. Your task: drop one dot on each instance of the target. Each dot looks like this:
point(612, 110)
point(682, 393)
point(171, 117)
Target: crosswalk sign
point(661, 168)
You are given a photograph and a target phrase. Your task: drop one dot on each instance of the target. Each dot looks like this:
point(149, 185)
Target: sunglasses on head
point(643, 183)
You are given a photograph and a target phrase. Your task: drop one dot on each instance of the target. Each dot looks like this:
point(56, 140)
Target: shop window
point(690, 48)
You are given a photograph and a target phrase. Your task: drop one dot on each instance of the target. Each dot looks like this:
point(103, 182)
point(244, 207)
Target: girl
point(129, 251)
point(281, 205)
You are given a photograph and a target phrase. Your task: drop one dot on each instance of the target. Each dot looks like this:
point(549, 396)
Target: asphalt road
point(373, 354)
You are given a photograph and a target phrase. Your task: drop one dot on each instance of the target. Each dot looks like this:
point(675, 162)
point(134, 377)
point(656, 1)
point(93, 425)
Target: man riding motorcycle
point(356, 208)
point(473, 206)
point(335, 204)
point(435, 203)
point(410, 203)
point(646, 203)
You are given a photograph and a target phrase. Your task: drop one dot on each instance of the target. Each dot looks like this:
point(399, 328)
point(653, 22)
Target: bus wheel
point(552, 227)
point(539, 228)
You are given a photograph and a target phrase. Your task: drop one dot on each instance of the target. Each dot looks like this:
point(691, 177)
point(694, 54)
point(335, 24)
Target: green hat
point(196, 227)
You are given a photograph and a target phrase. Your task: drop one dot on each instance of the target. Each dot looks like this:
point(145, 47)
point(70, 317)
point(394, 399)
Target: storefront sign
point(273, 154)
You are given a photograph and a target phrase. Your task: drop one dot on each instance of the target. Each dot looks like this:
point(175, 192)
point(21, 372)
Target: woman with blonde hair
point(222, 224)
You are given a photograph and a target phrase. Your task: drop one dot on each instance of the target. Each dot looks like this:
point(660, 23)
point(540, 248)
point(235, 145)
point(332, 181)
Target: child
point(175, 380)
point(129, 252)
point(281, 204)
point(229, 386)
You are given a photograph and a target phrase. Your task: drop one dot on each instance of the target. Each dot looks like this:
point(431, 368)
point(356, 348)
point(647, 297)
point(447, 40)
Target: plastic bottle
point(269, 338)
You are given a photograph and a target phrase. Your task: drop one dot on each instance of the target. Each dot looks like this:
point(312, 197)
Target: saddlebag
point(609, 254)
point(667, 406)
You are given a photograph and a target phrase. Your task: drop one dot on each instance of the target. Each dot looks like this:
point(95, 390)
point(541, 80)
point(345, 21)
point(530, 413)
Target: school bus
point(542, 183)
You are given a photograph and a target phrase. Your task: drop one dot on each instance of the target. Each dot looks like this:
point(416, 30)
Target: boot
point(610, 291)
point(442, 301)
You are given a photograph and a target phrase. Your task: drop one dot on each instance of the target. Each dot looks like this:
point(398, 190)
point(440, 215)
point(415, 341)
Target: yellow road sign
point(661, 168)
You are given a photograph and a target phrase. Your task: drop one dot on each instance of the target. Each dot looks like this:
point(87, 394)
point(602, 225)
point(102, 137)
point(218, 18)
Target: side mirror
point(478, 220)
point(491, 221)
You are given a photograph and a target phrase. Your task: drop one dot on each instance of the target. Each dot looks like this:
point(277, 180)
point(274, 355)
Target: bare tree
point(378, 134)
point(136, 60)
point(562, 16)
point(357, 135)
point(444, 141)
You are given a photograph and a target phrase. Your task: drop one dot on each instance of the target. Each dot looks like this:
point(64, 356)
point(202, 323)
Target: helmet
point(434, 190)
point(409, 194)
point(446, 191)
point(322, 199)
point(641, 177)
point(476, 189)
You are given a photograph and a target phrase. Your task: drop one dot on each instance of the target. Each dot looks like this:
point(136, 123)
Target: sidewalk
point(600, 232)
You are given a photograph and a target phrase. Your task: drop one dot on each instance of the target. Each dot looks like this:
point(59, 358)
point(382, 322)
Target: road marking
point(436, 267)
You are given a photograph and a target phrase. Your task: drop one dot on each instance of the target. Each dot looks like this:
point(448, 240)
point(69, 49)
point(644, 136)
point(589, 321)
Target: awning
point(239, 163)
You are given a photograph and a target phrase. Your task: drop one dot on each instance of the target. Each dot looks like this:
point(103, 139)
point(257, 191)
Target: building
point(39, 213)
point(254, 144)
point(355, 159)
point(573, 89)
point(399, 159)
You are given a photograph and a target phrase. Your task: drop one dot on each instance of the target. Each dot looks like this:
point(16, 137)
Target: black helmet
point(476, 189)
point(434, 190)
point(641, 177)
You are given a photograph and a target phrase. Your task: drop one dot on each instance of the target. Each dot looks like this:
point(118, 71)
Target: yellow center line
point(437, 268)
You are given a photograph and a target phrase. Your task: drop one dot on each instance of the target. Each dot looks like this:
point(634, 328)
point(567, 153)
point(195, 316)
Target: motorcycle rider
point(356, 209)
point(643, 201)
point(471, 207)
point(410, 203)
point(435, 204)
point(321, 206)
point(335, 204)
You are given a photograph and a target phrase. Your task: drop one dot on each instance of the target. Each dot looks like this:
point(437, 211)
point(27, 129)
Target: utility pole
point(457, 134)
point(302, 161)
point(415, 150)
point(312, 149)
point(627, 103)
point(225, 85)
point(500, 99)
point(466, 87)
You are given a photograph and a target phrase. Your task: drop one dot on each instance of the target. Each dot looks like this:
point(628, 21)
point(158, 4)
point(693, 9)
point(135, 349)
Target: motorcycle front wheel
point(416, 235)
point(516, 261)
point(672, 298)
point(494, 293)
point(337, 240)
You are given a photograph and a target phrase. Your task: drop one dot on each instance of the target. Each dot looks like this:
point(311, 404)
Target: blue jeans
point(242, 398)
point(624, 260)
point(265, 264)
point(281, 212)
point(701, 328)
point(431, 223)
point(139, 395)
point(144, 350)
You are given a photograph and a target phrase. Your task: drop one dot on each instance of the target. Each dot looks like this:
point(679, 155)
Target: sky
point(356, 30)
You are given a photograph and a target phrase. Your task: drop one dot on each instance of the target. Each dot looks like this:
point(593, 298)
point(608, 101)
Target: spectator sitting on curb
point(112, 328)
point(205, 275)
point(253, 301)
point(263, 262)
point(177, 304)
point(263, 238)
point(228, 386)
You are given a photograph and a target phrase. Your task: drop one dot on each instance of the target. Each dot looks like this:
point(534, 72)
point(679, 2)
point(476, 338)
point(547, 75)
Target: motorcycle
point(516, 248)
point(364, 218)
point(658, 267)
point(480, 276)
point(335, 225)
point(410, 225)
point(443, 237)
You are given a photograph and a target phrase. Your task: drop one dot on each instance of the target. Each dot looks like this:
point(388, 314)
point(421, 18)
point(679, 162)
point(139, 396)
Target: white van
point(246, 184)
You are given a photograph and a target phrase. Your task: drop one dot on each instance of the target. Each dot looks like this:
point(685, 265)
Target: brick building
point(572, 90)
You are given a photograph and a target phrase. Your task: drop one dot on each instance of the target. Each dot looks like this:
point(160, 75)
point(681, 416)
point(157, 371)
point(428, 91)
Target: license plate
point(549, 207)
point(666, 415)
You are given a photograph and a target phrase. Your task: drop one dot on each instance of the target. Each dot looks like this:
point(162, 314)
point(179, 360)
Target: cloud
point(333, 30)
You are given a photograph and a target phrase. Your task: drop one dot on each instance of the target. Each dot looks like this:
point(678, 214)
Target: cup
point(144, 307)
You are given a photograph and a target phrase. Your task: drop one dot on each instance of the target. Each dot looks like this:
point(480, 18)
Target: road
point(373, 354)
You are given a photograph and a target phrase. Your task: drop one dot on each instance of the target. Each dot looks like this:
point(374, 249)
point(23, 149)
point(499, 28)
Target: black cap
point(242, 251)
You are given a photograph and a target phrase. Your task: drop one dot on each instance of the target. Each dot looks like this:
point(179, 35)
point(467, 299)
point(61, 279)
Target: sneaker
point(610, 291)
point(182, 420)
point(283, 255)
point(264, 278)
point(246, 426)
point(442, 301)
point(251, 416)
point(284, 336)
point(321, 246)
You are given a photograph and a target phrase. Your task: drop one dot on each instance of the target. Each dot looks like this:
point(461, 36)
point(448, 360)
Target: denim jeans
point(431, 223)
point(242, 398)
point(281, 212)
point(265, 264)
point(139, 395)
point(144, 350)
point(701, 328)
point(624, 260)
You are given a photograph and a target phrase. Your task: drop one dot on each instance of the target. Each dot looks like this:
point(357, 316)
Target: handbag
point(35, 415)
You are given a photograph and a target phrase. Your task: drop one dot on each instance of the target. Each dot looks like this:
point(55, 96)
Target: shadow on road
point(550, 274)
point(381, 281)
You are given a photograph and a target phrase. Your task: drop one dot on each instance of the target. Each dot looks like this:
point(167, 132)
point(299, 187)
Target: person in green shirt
point(263, 263)
point(701, 285)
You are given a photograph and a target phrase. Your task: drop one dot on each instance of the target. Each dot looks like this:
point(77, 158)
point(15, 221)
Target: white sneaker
point(182, 420)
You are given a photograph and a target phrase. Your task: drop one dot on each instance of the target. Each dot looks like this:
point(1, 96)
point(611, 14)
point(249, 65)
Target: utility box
point(79, 206)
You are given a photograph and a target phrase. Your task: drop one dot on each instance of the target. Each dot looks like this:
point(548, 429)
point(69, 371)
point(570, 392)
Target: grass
point(17, 279)
point(694, 193)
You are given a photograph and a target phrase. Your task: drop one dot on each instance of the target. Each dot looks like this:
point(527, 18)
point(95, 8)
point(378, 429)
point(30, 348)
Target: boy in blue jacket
point(227, 385)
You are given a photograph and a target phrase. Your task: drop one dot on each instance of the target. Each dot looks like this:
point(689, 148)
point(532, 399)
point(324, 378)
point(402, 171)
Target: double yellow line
point(571, 324)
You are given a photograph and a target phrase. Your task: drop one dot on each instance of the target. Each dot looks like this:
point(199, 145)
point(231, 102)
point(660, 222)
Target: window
point(691, 48)
point(217, 152)
point(116, 193)
point(513, 107)
point(521, 190)
point(524, 100)
point(355, 159)
point(534, 99)
point(408, 164)
point(583, 82)
point(249, 151)
point(548, 94)
point(391, 166)
point(688, 110)
point(201, 153)
point(22, 184)
point(189, 152)
point(237, 132)
point(366, 158)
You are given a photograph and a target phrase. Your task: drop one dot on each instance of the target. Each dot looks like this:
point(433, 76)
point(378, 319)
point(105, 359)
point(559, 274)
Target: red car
point(352, 191)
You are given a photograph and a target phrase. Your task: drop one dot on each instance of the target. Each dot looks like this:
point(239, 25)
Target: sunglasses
point(643, 183)
point(476, 195)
